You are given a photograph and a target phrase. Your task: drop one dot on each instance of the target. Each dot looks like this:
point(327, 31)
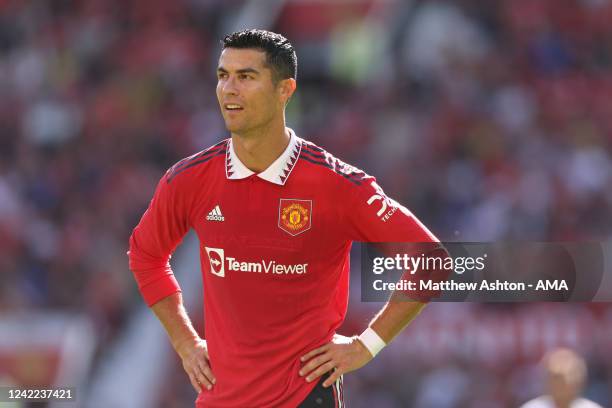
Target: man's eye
point(244, 76)
point(222, 76)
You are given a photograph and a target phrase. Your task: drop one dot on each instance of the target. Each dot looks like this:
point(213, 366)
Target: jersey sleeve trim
point(197, 159)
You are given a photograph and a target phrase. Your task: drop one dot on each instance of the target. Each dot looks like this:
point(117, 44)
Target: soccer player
point(566, 373)
point(276, 216)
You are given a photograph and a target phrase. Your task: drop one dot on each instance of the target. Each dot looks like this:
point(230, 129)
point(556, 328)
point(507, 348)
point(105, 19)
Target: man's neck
point(257, 150)
point(562, 403)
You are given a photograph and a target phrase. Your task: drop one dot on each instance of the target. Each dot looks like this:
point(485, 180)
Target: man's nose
point(229, 87)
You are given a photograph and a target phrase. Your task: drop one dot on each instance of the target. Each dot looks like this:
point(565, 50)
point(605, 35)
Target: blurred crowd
point(489, 120)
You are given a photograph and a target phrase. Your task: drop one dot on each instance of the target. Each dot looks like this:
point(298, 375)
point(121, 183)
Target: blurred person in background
point(566, 375)
point(266, 194)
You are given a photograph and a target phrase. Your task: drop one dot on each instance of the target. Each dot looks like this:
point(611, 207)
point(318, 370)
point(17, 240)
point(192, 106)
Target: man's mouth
point(233, 107)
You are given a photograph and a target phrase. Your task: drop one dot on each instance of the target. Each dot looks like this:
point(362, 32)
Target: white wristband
point(372, 341)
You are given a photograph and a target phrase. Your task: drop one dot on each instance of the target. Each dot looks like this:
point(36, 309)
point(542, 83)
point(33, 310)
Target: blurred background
point(490, 120)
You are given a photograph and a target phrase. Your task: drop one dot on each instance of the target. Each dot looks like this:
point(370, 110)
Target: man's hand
point(342, 355)
point(194, 355)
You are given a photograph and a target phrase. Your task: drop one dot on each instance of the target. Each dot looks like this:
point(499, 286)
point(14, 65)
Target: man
point(566, 374)
point(276, 217)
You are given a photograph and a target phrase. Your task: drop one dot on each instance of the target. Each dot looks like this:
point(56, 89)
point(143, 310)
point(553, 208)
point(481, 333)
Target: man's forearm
point(395, 316)
point(173, 316)
point(185, 340)
point(400, 310)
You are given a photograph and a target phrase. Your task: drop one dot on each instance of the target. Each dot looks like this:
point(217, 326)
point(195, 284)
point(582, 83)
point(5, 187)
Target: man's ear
point(286, 88)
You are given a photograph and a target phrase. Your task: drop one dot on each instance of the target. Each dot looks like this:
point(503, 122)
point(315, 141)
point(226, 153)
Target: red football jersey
point(274, 251)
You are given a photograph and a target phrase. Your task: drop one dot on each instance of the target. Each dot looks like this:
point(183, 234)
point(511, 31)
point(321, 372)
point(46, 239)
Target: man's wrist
point(185, 344)
point(371, 341)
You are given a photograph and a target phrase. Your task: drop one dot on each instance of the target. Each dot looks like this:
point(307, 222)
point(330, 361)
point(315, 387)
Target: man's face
point(248, 97)
point(562, 388)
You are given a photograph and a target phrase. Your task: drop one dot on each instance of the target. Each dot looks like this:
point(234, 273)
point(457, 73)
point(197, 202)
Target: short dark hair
point(280, 55)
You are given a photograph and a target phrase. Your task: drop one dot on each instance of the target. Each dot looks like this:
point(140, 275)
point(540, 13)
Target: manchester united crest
point(294, 216)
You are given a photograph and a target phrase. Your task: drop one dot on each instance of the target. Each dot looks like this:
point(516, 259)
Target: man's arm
point(346, 354)
point(402, 308)
point(185, 340)
point(373, 217)
point(160, 230)
point(395, 315)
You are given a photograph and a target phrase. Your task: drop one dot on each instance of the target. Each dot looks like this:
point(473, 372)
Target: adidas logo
point(215, 215)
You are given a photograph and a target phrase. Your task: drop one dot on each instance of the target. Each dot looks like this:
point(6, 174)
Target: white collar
point(277, 173)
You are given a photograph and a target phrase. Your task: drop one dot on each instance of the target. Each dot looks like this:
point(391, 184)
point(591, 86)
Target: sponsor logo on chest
point(220, 263)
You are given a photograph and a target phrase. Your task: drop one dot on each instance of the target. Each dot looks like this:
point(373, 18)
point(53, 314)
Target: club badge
point(294, 216)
